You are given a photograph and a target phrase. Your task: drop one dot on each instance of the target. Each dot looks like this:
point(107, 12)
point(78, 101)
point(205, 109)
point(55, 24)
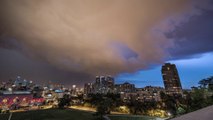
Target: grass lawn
point(50, 114)
point(124, 117)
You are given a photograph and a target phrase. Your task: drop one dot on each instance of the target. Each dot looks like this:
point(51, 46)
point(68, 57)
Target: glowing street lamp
point(169, 114)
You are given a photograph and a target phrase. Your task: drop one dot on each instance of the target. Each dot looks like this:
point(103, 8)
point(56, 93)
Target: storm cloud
point(88, 38)
point(193, 37)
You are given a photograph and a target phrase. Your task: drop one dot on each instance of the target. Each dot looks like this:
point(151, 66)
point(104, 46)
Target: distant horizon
point(184, 67)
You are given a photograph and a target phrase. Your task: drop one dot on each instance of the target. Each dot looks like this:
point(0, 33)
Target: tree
point(116, 99)
point(170, 103)
point(198, 100)
point(204, 82)
point(188, 101)
point(96, 98)
point(181, 111)
point(65, 101)
point(104, 108)
point(210, 86)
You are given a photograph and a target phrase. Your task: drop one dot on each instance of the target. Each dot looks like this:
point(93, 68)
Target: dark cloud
point(76, 40)
point(193, 37)
point(15, 64)
point(124, 51)
point(9, 43)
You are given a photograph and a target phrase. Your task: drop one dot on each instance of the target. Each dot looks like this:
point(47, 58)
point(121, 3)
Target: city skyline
point(71, 42)
point(187, 69)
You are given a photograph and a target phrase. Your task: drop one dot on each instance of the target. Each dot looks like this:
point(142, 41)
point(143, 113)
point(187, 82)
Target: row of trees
point(207, 83)
point(174, 104)
point(104, 103)
point(110, 102)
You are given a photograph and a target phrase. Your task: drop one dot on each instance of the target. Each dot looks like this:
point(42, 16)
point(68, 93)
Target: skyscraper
point(104, 84)
point(171, 79)
point(88, 88)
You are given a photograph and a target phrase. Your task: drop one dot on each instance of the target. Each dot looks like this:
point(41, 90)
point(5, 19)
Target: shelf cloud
point(96, 37)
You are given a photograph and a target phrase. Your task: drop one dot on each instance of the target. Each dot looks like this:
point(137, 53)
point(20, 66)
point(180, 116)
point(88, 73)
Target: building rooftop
point(202, 114)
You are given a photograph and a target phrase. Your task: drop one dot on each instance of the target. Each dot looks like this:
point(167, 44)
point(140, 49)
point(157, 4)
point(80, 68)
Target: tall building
point(88, 88)
point(110, 83)
point(102, 84)
point(171, 79)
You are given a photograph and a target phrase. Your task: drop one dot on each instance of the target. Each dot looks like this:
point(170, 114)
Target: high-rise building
point(110, 82)
point(88, 88)
point(104, 84)
point(171, 79)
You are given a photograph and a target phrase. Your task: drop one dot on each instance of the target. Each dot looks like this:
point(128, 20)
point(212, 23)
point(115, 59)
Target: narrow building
point(171, 79)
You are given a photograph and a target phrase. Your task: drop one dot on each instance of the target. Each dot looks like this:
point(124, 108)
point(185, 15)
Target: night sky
point(72, 41)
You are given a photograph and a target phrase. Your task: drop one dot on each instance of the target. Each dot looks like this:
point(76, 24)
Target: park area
point(50, 114)
point(132, 117)
point(66, 114)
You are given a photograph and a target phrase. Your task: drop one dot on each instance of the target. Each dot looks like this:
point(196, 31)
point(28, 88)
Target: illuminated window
point(168, 68)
